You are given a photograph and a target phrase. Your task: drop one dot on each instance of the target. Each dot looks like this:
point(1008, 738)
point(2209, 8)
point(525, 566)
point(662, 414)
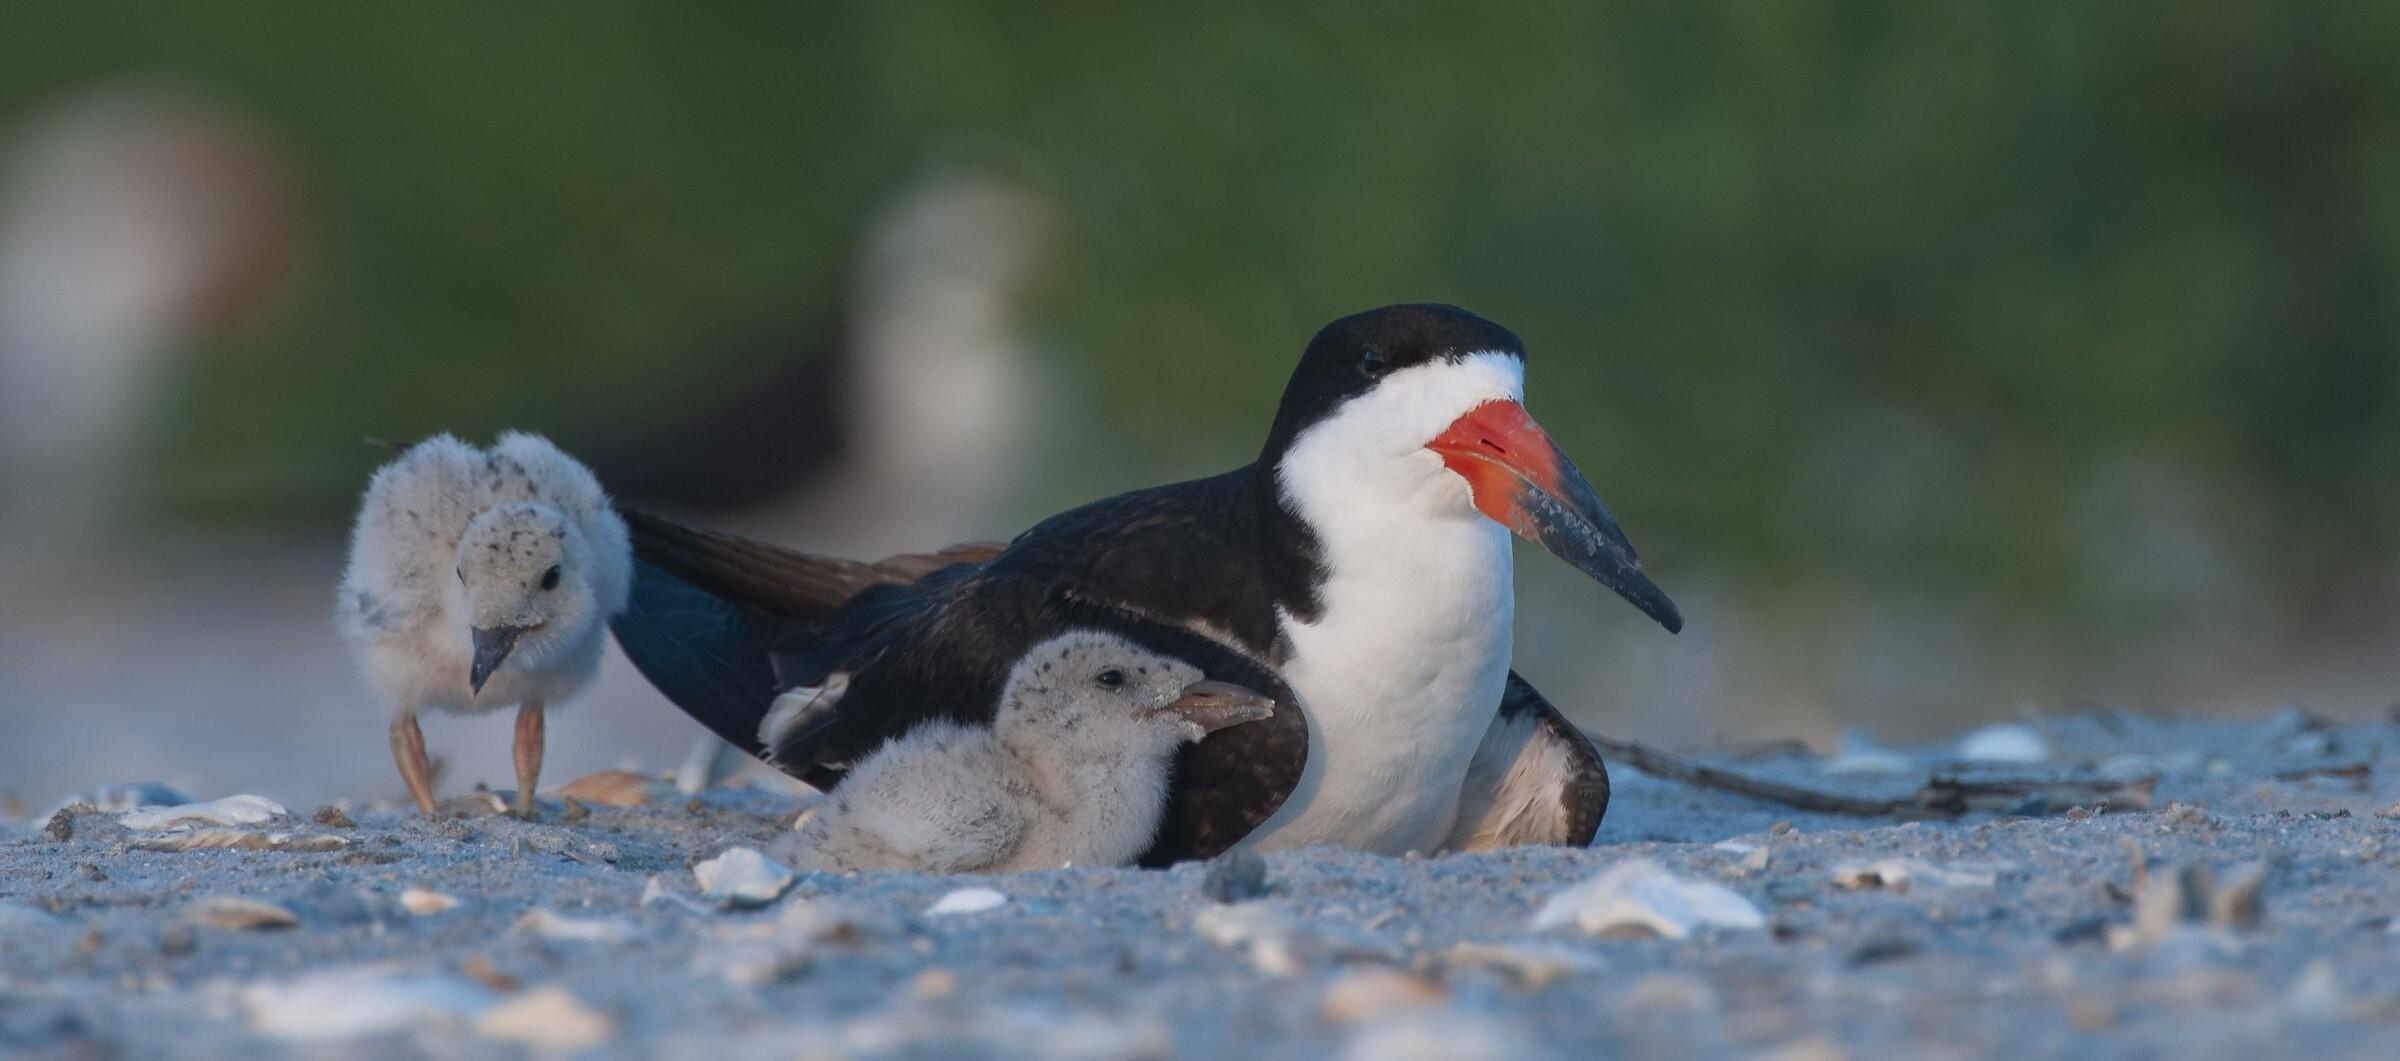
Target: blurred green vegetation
point(1869, 292)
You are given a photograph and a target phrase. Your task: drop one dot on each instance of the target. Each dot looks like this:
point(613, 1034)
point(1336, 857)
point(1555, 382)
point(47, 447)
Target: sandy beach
point(2058, 931)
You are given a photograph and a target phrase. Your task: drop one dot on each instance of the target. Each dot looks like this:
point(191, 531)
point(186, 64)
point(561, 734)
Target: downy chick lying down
point(1072, 769)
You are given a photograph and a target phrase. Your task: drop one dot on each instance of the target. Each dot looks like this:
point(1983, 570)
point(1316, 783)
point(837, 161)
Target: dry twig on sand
point(1939, 797)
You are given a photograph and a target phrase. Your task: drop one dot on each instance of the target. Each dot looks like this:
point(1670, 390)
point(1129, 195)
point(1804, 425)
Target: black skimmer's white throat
point(1359, 571)
point(1072, 769)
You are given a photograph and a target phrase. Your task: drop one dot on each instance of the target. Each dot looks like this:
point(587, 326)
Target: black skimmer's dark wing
point(723, 625)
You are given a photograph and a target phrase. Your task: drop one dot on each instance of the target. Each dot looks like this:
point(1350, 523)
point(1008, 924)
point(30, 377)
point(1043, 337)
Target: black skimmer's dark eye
point(550, 578)
point(1371, 363)
point(1111, 678)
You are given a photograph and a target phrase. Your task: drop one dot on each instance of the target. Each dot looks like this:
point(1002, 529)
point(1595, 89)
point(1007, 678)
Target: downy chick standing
point(479, 580)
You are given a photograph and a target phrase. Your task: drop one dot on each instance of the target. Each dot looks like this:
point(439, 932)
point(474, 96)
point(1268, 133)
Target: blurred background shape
point(1944, 361)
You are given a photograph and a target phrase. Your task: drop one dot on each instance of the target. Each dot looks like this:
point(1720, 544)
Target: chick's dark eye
point(1111, 678)
point(550, 578)
point(1371, 362)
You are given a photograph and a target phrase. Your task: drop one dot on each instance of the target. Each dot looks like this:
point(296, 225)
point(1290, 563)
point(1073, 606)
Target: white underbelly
point(1400, 677)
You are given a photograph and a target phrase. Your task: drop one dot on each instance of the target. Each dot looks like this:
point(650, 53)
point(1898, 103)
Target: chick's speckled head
point(523, 574)
point(1098, 687)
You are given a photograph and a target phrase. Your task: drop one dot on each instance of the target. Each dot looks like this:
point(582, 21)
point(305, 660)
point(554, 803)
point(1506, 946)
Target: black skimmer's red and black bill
point(1359, 571)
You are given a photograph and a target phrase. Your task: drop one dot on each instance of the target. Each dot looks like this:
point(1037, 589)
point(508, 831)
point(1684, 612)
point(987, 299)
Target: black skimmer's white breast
point(1359, 570)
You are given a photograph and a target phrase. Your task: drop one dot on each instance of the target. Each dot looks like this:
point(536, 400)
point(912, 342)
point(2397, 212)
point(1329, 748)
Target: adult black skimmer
point(1359, 570)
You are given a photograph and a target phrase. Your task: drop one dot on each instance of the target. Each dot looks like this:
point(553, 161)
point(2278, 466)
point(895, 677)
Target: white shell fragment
point(353, 1003)
point(1642, 897)
point(421, 902)
point(742, 877)
point(237, 914)
point(1856, 754)
point(2008, 742)
point(966, 901)
point(547, 1018)
point(559, 928)
point(232, 810)
point(1905, 872)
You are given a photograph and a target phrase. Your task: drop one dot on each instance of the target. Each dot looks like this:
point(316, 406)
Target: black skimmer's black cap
point(1350, 356)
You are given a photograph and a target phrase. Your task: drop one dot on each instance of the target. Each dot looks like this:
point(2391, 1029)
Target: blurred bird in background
point(137, 224)
point(141, 225)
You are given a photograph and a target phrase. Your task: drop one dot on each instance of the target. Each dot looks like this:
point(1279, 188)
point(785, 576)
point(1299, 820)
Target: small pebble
point(61, 826)
point(1235, 876)
point(333, 817)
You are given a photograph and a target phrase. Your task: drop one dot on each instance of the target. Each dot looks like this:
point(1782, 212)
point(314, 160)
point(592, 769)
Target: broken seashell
point(1642, 897)
point(547, 1018)
point(614, 788)
point(238, 840)
point(1855, 753)
point(421, 902)
point(232, 810)
point(2008, 742)
point(1364, 993)
point(936, 982)
point(353, 1003)
point(560, 928)
point(2188, 901)
point(742, 877)
point(1531, 968)
point(1448, 1034)
point(1900, 873)
point(237, 914)
point(966, 901)
point(477, 804)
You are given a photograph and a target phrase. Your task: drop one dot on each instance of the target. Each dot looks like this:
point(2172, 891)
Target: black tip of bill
point(492, 647)
point(1582, 533)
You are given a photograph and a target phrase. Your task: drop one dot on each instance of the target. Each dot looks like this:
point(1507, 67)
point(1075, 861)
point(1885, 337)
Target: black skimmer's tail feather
point(707, 654)
point(782, 582)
